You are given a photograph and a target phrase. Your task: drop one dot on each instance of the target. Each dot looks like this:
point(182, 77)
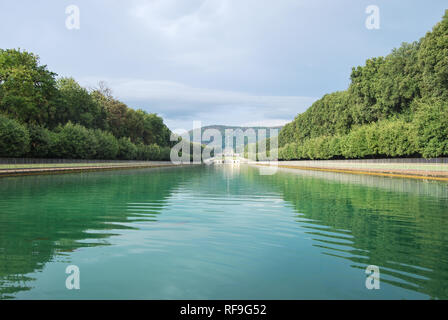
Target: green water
point(222, 233)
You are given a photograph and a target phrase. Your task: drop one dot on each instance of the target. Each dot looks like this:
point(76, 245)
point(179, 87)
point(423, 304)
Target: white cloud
point(211, 35)
point(181, 104)
point(171, 18)
point(189, 32)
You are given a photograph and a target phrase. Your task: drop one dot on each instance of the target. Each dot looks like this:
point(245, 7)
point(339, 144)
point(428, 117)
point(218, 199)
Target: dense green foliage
point(28, 91)
point(43, 142)
point(14, 138)
point(431, 121)
point(78, 106)
point(41, 116)
point(396, 106)
point(75, 141)
point(107, 145)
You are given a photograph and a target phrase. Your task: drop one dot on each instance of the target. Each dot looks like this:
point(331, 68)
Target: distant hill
point(222, 128)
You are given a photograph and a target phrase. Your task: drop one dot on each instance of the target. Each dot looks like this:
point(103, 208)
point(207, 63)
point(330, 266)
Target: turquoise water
point(222, 233)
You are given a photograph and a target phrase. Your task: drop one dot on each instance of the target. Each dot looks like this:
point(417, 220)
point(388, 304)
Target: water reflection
point(45, 218)
point(400, 225)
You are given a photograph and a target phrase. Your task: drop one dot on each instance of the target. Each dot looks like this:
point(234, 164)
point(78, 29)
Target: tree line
point(47, 117)
point(395, 106)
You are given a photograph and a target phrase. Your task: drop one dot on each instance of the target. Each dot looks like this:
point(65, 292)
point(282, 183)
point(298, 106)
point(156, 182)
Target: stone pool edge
point(61, 170)
point(408, 174)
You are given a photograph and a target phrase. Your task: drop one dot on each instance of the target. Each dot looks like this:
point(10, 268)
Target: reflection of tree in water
point(404, 233)
point(42, 218)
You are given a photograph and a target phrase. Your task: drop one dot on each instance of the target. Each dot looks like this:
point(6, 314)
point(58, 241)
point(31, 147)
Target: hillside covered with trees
point(395, 106)
point(236, 130)
point(45, 117)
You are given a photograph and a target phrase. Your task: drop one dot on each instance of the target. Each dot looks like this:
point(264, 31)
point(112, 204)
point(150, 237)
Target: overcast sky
point(235, 62)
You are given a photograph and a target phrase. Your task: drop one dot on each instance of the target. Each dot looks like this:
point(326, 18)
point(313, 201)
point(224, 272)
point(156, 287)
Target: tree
point(431, 125)
point(396, 138)
point(126, 149)
point(75, 142)
point(78, 106)
point(115, 113)
point(14, 138)
point(433, 61)
point(27, 90)
point(42, 143)
point(107, 145)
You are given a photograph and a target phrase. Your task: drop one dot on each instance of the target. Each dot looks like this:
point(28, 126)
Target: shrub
point(355, 144)
point(165, 153)
point(126, 149)
point(142, 152)
point(154, 152)
point(75, 142)
point(42, 142)
point(288, 152)
point(334, 146)
point(14, 138)
point(396, 138)
point(107, 145)
point(431, 125)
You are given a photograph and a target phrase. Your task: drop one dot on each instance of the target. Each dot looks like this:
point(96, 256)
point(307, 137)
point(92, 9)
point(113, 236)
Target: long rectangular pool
point(211, 232)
